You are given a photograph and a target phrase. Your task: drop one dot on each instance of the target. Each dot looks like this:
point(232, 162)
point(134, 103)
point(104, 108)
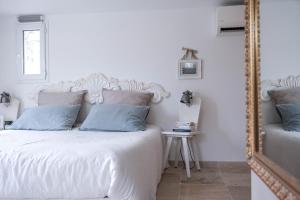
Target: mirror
point(280, 87)
point(273, 93)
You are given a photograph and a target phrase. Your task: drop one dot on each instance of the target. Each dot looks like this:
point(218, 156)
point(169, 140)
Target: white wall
point(280, 50)
point(146, 45)
point(259, 190)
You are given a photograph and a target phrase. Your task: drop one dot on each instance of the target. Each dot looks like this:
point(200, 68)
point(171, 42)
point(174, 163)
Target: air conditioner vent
point(230, 19)
point(232, 29)
point(30, 18)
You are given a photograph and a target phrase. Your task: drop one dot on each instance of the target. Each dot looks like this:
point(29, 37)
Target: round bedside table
point(185, 137)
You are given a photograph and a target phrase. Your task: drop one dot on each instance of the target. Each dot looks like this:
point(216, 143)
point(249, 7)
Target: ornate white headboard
point(289, 82)
point(269, 113)
point(95, 83)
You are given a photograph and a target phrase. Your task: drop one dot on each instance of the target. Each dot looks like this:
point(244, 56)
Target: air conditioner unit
point(230, 19)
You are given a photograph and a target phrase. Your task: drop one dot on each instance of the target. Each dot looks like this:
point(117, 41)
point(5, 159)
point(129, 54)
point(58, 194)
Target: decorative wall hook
point(190, 54)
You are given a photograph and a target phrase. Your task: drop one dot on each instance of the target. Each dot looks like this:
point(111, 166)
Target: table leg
point(186, 156)
point(196, 157)
point(167, 150)
point(177, 151)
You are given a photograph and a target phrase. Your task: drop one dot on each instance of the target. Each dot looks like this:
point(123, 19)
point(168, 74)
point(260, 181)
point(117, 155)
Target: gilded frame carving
point(284, 186)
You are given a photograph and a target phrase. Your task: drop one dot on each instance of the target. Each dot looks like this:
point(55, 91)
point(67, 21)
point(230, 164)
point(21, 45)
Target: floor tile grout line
point(225, 185)
point(180, 184)
point(231, 197)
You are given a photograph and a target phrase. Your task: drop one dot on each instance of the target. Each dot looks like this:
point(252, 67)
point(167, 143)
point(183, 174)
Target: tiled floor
point(215, 181)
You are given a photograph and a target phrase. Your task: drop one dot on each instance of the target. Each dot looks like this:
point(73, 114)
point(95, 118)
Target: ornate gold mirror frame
point(284, 186)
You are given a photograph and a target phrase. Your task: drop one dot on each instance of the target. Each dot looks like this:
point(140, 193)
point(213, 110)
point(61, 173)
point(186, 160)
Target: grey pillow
point(61, 98)
point(127, 97)
point(285, 96)
point(290, 116)
point(47, 118)
point(117, 117)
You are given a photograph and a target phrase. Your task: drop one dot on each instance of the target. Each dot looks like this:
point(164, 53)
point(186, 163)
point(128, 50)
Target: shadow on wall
point(212, 134)
point(166, 118)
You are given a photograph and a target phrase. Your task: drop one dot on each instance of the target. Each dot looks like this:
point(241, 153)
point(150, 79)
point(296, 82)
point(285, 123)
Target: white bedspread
point(283, 148)
point(80, 165)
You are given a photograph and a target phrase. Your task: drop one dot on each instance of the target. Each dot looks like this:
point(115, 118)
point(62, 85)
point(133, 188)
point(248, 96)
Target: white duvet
point(80, 165)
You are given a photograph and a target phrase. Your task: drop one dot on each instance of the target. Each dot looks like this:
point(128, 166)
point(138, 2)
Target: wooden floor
point(215, 181)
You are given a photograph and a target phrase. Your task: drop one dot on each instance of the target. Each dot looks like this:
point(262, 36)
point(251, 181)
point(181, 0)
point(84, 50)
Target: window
point(31, 56)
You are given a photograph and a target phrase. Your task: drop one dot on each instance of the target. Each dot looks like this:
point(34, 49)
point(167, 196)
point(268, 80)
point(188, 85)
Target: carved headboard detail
point(95, 83)
point(289, 82)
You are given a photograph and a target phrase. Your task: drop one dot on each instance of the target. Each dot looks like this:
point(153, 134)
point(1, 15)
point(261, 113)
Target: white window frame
point(42, 77)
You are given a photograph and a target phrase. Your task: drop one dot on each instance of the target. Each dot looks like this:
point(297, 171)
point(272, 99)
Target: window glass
point(31, 52)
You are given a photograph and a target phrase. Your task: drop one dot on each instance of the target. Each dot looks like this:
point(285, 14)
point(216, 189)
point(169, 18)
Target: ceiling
point(19, 7)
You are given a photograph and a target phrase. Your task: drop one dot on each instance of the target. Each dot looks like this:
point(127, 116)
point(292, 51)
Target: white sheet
point(283, 148)
point(80, 165)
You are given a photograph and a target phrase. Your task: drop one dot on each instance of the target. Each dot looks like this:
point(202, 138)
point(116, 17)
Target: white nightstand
point(185, 137)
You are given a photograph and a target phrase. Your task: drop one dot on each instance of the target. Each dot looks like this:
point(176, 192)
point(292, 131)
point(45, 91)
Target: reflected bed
point(283, 147)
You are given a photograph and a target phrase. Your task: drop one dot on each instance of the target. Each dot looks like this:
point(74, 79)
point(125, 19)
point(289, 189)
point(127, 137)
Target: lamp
point(187, 97)
point(5, 98)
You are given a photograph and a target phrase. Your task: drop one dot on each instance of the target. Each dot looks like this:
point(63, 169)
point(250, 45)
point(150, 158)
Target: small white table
point(185, 137)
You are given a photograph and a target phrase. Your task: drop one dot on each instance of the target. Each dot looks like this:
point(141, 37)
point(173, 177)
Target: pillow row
point(287, 103)
point(121, 111)
point(109, 96)
point(102, 117)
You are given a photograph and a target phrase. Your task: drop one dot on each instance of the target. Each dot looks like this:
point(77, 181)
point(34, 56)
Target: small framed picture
point(1, 122)
point(189, 69)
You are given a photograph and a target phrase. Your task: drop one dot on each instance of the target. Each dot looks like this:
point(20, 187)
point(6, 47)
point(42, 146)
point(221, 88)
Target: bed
point(80, 165)
point(74, 164)
point(283, 148)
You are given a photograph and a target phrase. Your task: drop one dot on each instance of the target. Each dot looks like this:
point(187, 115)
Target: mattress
point(283, 148)
point(80, 165)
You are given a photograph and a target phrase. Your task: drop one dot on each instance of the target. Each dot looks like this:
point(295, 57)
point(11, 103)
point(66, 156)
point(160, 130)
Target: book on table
point(184, 127)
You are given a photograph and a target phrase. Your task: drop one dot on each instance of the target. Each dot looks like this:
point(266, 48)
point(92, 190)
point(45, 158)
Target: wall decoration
point(189, 66)
point(96, 83)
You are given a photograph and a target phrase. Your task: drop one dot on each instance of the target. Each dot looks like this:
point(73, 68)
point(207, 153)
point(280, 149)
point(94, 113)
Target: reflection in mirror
point(280, 75)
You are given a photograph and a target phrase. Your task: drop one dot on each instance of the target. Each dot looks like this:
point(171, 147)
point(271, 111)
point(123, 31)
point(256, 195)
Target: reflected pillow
point(285, 96)
point(47, 118)
point(290, 116)
point(118, 117)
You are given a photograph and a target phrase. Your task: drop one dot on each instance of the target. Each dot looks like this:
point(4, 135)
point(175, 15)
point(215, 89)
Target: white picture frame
point(2, 122)
point(189, 69)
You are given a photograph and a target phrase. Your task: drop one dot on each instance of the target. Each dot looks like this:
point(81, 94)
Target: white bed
point(80, 165)
point(83, 165)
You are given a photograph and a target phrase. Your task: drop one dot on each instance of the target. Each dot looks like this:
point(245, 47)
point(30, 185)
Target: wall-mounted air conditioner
point(230, 19)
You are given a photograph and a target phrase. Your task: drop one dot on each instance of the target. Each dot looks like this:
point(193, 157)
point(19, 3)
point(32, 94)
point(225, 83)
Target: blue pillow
point(116, 117)
point(290, 116)
point(47, 118)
